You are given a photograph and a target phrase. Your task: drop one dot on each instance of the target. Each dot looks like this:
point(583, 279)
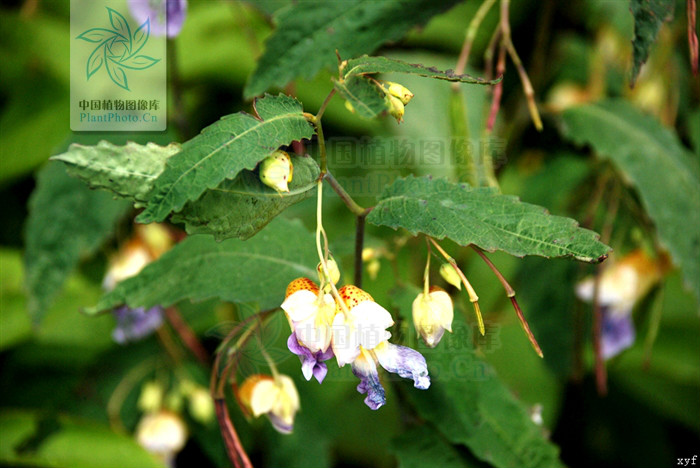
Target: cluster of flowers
point(348, 325)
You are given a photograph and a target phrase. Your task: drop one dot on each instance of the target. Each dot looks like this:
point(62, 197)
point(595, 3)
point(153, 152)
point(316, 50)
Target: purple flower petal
point(279, 424)
point(617, 334)
point(134, 324)
point(312, 364)
point(166, 16)
point(407, 362)
point(366, 371)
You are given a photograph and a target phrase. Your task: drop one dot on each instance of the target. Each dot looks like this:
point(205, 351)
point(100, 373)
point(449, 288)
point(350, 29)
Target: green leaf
point(243, 206)
point(308, 34)
point(652, 160)
point(129, 171)
point(198, 268)
point(236, 208)
point(648, 15)
point(367, 65)
point(16, 326)
point(67, 221)
point(482, 217)
point(366, 98)
point(222, 150)
point(63, 442)
point(471, 406)
point(423, 447)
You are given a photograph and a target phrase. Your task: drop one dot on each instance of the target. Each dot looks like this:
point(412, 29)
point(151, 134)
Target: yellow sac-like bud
point(157, 238)
point(368, 253)
point(349, 106)
point(396, 107)
point(276, 398)
point(151, 397)
point(201, 405)
point(432, 315)
point(163, 433)
point(400, 92)
point(276, 171)
point(333, 271)
point(373, 268)
point(450, 275)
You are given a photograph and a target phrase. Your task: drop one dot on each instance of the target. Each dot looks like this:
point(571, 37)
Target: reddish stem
point(691, 7)
point(188, 337)
point(234, 449)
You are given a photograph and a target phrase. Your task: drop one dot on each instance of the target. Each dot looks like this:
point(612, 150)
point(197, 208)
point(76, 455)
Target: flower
point(163, 433)
point(166, 16)
point(276, 171)
point(151, 397)
point(312, 364)
point(399, 91)
point(364, 324)
point(401, 360)
point(135, 323)
point(621, 285)
point(432, 315)
point(310, 313)
point(395, 106)
point(200, 405)
point(127, 263)
point(277, 398)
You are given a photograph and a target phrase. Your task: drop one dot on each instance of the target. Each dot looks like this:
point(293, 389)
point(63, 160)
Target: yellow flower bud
point(201, 405)
point(349, 106)
point(276, 171)
point(163, 433)
point(373, 268)
point(151, 397)
point(432, 315)
point(400, 92)
point(396, 108)
point(156, 237)
point(333, 271)
point(450, 275)
point(276, 398)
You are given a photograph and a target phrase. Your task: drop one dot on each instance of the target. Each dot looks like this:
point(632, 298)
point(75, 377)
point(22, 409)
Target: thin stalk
point(234, 448)
point(125, 386)
point(473, 28)
point(180, 117)
point(497, 89)
point(691, 8)
point(473, 298)
point(359, 246)
point(510, 292)
point(352, 205)
point(187, 336)
point(426, 272)
point(601, 373)
point(654, 324)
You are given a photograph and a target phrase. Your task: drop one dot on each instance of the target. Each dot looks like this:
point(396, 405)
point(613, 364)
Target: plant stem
point(473, 298)
point(691, 8)
point(180, 117)
point(323, 107)
point(510, 292)
point(356, 209)
point(473, 28)
point(359, 247)
point(188, 337)
point(234, 449)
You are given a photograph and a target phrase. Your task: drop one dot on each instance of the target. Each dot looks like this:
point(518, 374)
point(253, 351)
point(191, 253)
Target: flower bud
point(450, 275)
point(276, 398)
point(432, 315)
point(373, 268)
point(157, 238)
point(349, 106)
point(333, 271)
point(400, 92)
point(163, 433)
point(151, 397)
point(201, 405)
point(396, 108)
point(276, 171)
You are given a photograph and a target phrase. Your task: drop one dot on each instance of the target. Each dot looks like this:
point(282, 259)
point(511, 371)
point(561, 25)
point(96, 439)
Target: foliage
point(188, 236)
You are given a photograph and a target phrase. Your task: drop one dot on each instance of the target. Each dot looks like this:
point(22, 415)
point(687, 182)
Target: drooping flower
point(163, 433)
point(166, 16)
point(432, 315)
point(277, 398)
point(361, 323)
point(128, 262)
point(399, 91)
point(360, 338)
point(621, 285)
point(406, 362)
point(312, 363)
point(135, 323)
point(310, 312)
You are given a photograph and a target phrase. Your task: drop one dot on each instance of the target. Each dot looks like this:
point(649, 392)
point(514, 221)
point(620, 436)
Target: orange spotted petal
point(352, 295)
point(301, 284)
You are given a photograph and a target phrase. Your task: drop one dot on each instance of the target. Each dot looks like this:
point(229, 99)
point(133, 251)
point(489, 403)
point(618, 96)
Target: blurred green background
point(58, 377)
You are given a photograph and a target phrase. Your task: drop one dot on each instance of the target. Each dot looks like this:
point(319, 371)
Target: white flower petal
point(300, 305)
